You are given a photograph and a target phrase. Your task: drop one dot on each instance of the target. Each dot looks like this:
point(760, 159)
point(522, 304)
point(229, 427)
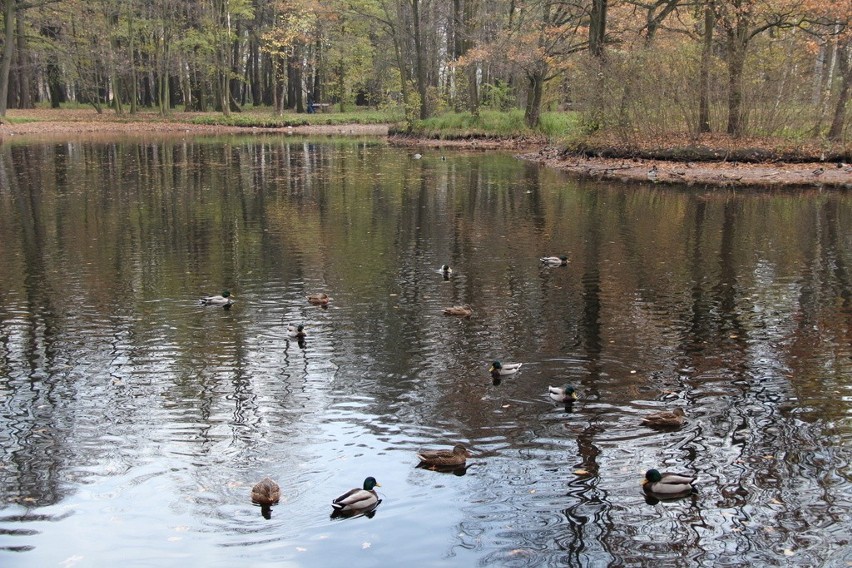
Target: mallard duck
point(446, 270)
point(266, 492)
point(464, 311)
point(223, 300)
point(320, 299)
point(562, 394)
point(665, 419)
point(444, 458)
point(499, 369)
point(667, 485)
point(358, 499)
point(297, 331)
point(652, 174)
point(554, 260)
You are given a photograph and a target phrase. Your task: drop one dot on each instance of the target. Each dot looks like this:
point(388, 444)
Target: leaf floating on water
point(506, 406)
point(301, 549)
point(365, 546)
point(71, 561)
point(788, 552)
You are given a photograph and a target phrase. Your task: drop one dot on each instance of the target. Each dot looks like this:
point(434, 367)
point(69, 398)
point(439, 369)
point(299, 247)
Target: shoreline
point(53, 125)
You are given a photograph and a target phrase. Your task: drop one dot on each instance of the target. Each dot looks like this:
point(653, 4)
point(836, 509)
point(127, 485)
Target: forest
point(770, 68)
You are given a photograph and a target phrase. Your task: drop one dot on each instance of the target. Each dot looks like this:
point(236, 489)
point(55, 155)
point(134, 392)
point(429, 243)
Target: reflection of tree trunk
point(704, 71)
point(590, 324)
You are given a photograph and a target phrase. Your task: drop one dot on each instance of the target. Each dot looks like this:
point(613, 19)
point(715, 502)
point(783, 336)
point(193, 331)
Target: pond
point(135, 421)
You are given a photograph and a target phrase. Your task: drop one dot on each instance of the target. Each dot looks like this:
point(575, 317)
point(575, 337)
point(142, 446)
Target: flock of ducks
point(364, 499)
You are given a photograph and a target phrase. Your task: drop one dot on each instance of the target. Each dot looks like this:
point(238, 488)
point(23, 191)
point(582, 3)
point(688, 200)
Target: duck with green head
point(564, 394)
point(356, 500)
point(223, 300)
point(296, 331)
point(554, 260)
point(499, 369)
point(667, 485)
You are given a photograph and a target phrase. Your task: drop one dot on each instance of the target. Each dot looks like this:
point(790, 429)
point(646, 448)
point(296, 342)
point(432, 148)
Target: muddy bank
point(704, 174)
point(66, 124)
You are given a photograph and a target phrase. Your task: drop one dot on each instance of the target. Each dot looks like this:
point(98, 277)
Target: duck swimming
point(667, 485)
point(464, 311)
point(444, 458)
point(358, 499)
point(554, 260)
point(499, 369)
point(665, 419)
point(320, 299)
point(266, 492)
point(562, 394)
point(223, 300)
point(297, 331)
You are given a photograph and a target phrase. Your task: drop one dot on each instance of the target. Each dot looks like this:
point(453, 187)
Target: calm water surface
point(133, 422)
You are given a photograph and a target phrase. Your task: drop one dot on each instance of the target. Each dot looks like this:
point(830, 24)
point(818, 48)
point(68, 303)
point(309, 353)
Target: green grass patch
point(262, 119)
point(496, 124)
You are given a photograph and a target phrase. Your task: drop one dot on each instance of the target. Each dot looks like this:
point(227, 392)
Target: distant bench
point(321, 106)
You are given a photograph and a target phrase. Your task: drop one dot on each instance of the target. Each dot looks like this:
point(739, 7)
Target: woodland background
point(771, 68)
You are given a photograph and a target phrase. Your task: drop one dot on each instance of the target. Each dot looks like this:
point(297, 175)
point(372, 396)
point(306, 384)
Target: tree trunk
point(6, 61)
point(471, 9)
point(597, 27)
point(704, 71)
point(845, 67)
point(419, 60)
point(25, 99)
point(134, 76)
point(291, 80)
point(736, 63)
point(535, 90)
